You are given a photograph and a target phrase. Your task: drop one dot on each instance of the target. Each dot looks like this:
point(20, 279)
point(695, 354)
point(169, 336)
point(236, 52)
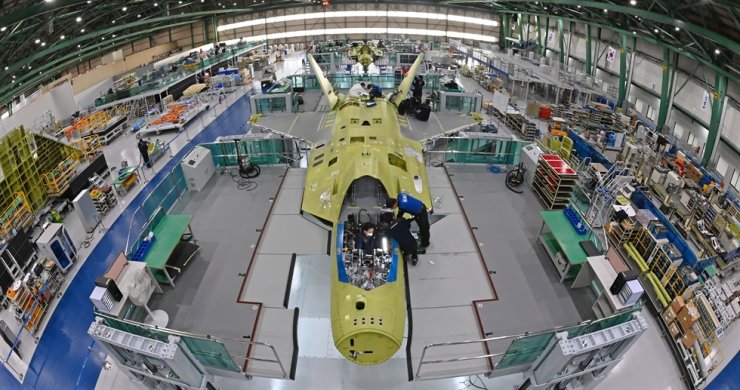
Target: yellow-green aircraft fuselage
point(367, 324)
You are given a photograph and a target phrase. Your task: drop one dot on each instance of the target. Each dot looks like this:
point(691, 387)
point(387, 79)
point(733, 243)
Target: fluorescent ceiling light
point(369, 30)
point(78, 19)
point(364, 14)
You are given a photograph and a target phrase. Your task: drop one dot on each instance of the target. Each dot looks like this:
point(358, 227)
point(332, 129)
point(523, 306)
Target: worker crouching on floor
point(408, 204)
point(400, 231)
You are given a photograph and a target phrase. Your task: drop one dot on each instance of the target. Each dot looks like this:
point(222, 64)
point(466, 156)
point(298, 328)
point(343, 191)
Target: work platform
point(261, 260)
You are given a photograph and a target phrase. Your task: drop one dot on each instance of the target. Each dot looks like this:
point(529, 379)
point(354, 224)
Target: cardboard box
point(688, 339)
point(673, 328)
point(669, 315)
point(677, 304)
point(687, 317)
point(691, 311)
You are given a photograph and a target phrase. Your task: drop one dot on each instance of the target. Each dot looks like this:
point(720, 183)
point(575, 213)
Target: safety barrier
point(210, 351)
point(472, 148)
point(524, 348)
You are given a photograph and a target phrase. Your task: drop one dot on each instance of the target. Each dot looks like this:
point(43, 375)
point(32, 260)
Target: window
point(692, 139)
point(722, 167)
point(735, 178)
point(651, 113)
point(639, 105)
point(678, 131)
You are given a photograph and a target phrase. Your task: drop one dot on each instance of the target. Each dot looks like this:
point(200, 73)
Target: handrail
point(220, 340)
point(496, 338)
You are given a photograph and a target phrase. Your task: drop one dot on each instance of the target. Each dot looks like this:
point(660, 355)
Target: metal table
point(562, 243)
point(168, 233)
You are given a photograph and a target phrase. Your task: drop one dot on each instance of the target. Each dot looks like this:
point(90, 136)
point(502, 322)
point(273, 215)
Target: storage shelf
point(554, 181)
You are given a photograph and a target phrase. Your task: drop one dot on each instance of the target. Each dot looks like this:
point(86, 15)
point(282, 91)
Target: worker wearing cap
point(408, 204)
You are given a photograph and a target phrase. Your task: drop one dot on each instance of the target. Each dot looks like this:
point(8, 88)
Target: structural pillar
point(589, 70)
point(538, 48)
point(544, 41)
point(622, 70)
point(629, 75)
point(507, 30)
point(560, 39)
point(666, 89)
point(718, 101)
point(521, 30)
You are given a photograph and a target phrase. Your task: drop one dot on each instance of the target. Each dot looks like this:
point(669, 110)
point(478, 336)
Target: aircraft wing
point(324, 82)
point(403, 89)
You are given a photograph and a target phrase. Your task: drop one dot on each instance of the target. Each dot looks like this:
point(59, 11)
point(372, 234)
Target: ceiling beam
point(67, 61)
point(694, 56)
point(195, 16)
point(636, 11)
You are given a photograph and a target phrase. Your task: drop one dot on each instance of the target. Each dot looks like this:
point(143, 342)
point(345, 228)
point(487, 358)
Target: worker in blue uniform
point(365, 240)
point(400, 231)
point(374, 91)
point(408, 204)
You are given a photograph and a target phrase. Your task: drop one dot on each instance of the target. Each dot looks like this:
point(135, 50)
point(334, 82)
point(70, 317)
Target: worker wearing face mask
point(365, 241)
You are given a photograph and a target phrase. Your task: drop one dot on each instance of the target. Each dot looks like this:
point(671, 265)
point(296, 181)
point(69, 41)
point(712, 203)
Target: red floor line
point(259, 238)
point(482, 331)
point(249, 269)
point(470, 229)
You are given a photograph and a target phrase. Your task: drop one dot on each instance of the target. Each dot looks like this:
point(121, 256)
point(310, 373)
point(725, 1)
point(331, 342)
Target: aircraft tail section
point(403, 89)
point(326, 86)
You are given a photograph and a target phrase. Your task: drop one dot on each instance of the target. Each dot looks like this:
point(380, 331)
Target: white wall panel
point(648, 73)
point(733, 90)
point(731, 124)
point(692, 97)
point(645, 97)
point(578, 48)
point(690, 126)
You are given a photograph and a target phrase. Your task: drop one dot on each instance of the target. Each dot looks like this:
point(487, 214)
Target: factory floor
point(529, 295)
point(81, 366)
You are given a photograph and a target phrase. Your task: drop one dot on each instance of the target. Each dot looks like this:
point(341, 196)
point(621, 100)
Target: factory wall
point(644, 102)
point(87, 97)
point(693, 96)
point(692, 109)
point(59, 101)
point(688, 129)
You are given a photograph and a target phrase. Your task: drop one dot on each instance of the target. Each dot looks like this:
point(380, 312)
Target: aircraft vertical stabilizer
point(403, 89)
point(326, 86)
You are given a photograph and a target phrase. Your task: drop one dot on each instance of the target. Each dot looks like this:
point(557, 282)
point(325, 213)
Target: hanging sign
point(611, 53)
point(705, 102)
point(550, 36)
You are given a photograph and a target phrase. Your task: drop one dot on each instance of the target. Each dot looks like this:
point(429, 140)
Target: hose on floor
point(515, 178)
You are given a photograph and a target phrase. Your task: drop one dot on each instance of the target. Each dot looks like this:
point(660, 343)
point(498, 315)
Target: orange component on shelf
point(171, 116)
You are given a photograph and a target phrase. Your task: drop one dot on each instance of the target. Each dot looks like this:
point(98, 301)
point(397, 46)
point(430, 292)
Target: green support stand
point(718, 100)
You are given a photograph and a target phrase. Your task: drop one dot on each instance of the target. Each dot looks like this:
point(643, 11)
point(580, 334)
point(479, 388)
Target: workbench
point(599, 273)
point(167, 252)
point(127, 178)
point(562, 243)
